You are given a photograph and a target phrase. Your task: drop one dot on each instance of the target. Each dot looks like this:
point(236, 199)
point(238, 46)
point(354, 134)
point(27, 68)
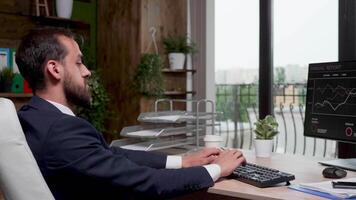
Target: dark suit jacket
point(77, 163)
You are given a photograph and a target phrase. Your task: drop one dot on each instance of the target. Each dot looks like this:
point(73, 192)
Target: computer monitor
point(330, 111)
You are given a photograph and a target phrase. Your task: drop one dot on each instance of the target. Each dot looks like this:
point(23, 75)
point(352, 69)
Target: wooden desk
point(305, 169)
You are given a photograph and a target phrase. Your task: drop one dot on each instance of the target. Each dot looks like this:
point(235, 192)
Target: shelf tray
point(142, 132)
point(157, 145)
point(174, 117)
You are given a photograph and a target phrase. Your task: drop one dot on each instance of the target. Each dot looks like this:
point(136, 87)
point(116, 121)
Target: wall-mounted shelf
point(178, 93)
point(167, 70)
point(176, 80)
point(60, 22)
point(19, 99)
point(16, 95)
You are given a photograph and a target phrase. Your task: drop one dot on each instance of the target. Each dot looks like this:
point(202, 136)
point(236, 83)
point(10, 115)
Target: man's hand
point(228, 160)
point(202, 157)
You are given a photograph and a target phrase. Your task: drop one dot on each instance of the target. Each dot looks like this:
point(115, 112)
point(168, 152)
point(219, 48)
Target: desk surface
point(305, 169)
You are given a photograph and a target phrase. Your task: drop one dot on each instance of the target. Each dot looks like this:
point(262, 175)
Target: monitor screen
point(331, 101)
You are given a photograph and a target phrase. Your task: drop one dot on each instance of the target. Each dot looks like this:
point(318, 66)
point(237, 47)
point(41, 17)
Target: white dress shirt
point(173, 162)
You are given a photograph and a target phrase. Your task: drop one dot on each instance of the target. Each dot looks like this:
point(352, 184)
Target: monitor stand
point(349, 163)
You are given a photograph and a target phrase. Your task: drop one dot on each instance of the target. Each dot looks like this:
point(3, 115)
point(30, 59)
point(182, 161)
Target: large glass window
point(304, 32)
point(236, 65)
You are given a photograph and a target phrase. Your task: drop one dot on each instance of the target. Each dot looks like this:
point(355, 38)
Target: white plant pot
point(64, 8)
point(176, 60)
point(263, 148)
point(213, 140)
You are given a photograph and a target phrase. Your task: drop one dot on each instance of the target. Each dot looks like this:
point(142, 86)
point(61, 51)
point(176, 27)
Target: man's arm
point(149, 159)
point(75, 145)
point(200, 158)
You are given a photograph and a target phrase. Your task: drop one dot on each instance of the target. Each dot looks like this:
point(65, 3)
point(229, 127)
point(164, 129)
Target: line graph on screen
point(335, 97)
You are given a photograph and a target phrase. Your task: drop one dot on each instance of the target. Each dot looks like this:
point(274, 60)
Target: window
point(236, 63)
point(304, 32)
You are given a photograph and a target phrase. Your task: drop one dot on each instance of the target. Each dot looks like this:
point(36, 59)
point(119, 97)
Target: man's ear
point(54, 69)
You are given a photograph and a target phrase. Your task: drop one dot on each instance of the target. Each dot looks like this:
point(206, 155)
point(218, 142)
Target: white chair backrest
point(20, 176)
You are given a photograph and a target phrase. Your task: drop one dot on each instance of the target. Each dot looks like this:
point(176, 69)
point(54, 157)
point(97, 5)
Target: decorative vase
point(64, 8)
point(263, 148)
point(176, 60)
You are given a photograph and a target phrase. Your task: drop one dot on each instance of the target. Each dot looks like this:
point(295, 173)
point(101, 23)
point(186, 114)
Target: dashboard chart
point(331, 101)
point(335, 96)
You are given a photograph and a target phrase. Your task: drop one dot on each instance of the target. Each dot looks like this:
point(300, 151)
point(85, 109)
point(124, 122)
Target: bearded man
point(72, 155)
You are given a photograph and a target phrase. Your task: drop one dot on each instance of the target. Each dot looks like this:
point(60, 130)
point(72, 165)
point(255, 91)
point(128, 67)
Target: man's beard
point(75, 94)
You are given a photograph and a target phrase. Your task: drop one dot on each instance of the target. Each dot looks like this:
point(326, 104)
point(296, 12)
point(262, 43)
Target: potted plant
point(6, 76)
point(176, 48)
point(265, 130)
point(148, 80)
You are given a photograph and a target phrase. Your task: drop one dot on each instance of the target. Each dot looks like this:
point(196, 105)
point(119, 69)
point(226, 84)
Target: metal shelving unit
point(168, 128)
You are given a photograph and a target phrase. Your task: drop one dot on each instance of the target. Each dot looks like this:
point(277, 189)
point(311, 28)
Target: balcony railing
point(238, 103)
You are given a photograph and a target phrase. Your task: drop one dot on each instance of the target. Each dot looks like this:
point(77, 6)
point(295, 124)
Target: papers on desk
point(325, 189)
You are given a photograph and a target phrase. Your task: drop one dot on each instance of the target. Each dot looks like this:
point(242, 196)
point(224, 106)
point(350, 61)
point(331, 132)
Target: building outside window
point(303, 32)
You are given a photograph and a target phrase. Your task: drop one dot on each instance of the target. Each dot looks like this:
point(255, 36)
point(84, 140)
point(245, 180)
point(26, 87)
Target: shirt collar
point(64, 109)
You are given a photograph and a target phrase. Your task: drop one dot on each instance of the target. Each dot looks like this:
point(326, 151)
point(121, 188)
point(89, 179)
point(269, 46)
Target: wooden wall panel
point(168, 17)
point(9, 43)
point(118, 55)
point(123, 35)
point(16, 6)
point(24, 7)
point(14, 27)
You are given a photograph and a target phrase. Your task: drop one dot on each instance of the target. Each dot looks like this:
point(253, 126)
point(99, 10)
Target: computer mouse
point(334, 172)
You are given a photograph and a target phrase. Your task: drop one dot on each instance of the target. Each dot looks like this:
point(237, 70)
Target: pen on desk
point(343, 185)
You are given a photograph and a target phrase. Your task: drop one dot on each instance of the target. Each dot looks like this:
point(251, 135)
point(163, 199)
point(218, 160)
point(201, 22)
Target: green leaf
point(181, 44)
point(266, 128)
point(148, 79)
point(98, 111)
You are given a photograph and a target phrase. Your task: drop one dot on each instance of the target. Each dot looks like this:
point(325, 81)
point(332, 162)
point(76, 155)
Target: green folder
point(17, 83)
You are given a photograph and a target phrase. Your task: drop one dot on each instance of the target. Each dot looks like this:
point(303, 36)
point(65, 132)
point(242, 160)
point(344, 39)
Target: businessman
point(73, 157)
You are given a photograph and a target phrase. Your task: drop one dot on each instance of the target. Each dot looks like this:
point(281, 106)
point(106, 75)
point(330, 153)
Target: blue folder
point(317, 193)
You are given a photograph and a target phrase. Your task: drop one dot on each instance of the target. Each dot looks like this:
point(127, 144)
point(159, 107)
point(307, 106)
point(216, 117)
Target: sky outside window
point(305, 31)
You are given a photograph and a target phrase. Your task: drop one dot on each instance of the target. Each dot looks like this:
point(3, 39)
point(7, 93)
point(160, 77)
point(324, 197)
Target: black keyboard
point(260, 176)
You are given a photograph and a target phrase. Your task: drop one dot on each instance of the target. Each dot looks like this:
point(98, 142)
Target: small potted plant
point(265, 130)
point(176, 48)
point(6, 76)
point(148, 80)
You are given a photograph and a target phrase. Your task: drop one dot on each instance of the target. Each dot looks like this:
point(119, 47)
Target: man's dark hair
point(36, 48)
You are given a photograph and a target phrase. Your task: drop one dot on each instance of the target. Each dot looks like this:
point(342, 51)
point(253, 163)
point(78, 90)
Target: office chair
point(20, 176)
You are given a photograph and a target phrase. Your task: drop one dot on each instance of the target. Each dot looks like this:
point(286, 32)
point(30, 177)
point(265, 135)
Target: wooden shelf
point(61, 22)
point(50, 20)
point(167, 70)
point(16, 95)
point(175, 80)
point(178, 93)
